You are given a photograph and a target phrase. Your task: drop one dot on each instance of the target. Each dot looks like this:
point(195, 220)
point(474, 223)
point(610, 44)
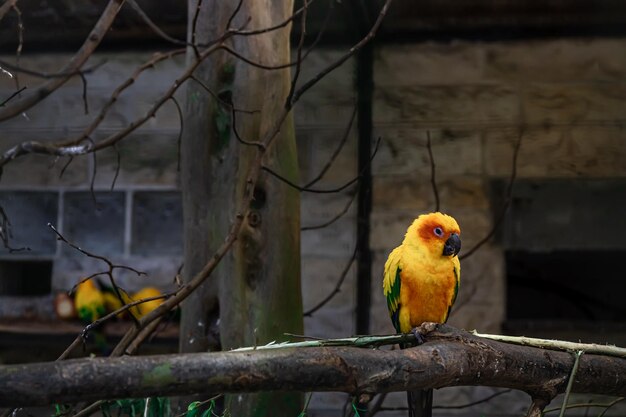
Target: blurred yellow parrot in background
point(89, 301)
point(142, 309)
point(421, 282)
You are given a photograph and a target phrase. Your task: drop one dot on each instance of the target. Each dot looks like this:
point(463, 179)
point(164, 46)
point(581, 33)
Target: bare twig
point(588, 405)
point(432, 170)
point(13, 95)
point(473, 403)
point(370, 35)
point(91, 42)
point(194, 23)
point(284, 23)
point(20, 43)
point(333, 157)
point(156, 58)
point(234, 14)
point(337, 288)
point(46, 75)
point(334, 219)
point(118, 165)
point(589, 348)
point(5, 233)
point(570, 382)
point(155, 28)
point(111, 266)
point(507, 200)
point(537, 406)
point(322, 191)
point(179, 139)
point(85, 102)
point(6, 6)
point(296, 74)
point(120, 310)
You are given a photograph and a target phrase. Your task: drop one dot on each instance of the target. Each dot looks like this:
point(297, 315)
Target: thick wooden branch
point(449, 358)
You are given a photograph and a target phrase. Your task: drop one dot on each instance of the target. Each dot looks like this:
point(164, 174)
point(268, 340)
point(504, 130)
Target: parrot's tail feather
point(420, 403)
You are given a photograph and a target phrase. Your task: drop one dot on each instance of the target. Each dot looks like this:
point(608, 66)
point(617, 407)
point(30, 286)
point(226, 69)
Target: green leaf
point(192, 409)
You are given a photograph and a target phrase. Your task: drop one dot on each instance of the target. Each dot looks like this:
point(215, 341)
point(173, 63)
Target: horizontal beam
point(67, 23)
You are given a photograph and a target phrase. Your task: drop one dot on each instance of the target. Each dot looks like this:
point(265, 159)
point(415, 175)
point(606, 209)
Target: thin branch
point(6, 235)
point(432, 170)
point(46, 75)
point(589, 348)
point(618, 400)
point(334, 219)
point(13, 95)
point(156, 58)
point(233, 115)
point(111, 265)
point(370, 35)
point(194, 24)
point(537, 406)
point(322, 191)
point(234, 14)
point(6, 6)
point(20, 43)
point(85, 102)
point(280, 25)
point(473, 403)
point(337, 151)
point(294, 80)
point(120, 310)
point(91, 42)
point(94, 172)
point(570, 382)
point(507, 200)
point(257, 64)
point(179, 139)
point(155, 28)
point(337, 288)
point(67, 164)
point(118, 165)
point(217, 97)
point(587, 405)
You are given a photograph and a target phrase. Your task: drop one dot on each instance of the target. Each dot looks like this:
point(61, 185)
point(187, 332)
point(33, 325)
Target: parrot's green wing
point(457, 280)
point(391, 286)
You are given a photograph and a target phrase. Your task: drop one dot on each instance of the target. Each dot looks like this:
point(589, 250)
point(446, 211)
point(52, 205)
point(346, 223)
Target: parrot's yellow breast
point(428, 289)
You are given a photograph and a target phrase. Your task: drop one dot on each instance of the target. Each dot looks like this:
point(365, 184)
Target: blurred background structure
point(525, 92)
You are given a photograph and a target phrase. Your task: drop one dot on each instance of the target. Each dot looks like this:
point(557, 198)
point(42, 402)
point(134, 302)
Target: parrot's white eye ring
point(438, 231)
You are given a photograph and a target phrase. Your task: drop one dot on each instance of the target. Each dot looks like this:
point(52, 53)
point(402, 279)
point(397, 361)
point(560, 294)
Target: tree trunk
point(255, 291)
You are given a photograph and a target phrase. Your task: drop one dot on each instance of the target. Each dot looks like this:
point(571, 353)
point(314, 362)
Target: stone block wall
point(473, 98)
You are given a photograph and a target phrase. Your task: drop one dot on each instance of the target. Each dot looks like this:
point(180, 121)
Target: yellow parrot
point(142, 309)
point(421, 281)
point(89, 301)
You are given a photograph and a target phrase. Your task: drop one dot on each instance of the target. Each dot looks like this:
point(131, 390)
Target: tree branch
point(448, 358)
point(91, 43)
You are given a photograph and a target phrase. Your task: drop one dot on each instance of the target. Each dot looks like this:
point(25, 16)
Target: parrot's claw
point(419, 338)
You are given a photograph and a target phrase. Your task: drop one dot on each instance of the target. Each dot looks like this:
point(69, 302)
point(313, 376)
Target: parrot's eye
point(438, 231)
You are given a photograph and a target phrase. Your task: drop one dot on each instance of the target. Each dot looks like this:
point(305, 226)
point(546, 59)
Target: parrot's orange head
point(437, 232)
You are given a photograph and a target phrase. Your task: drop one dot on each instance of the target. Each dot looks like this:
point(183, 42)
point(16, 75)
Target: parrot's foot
point(419, 337)
point(421, 331)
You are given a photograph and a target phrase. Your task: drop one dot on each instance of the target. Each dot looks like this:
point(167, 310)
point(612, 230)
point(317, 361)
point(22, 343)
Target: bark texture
point(255, 291)
point(449, 358)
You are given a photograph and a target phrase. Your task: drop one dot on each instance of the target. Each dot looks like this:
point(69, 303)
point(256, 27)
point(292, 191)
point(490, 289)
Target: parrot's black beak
point(452, 247)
